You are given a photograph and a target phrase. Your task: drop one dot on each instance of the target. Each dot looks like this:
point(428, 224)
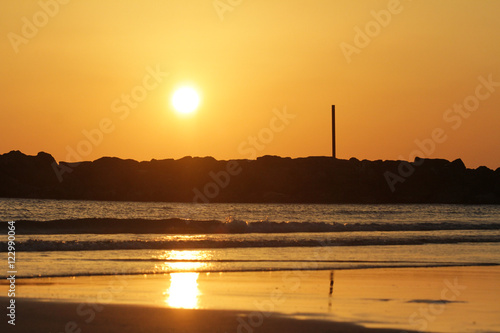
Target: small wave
point(229, 226)
point(182, 244)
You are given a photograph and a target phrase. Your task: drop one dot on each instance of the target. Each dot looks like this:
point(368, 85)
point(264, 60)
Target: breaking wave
point(229, 226)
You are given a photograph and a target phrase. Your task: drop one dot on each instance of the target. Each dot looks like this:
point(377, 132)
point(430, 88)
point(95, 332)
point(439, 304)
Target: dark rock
point(267, 179)
point(27, 176)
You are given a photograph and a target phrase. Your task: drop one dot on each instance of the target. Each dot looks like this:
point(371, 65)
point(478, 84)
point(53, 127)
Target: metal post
point(334, 152)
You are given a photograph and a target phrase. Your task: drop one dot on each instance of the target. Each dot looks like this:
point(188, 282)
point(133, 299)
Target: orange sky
point(67, 65)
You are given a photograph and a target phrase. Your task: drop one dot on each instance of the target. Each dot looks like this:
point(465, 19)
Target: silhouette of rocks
point(26, 176)
point(267, 179)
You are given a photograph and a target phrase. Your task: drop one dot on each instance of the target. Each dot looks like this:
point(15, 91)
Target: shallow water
point(244, 237)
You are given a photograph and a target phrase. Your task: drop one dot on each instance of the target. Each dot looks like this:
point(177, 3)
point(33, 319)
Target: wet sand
point(451, 299)
point(63, 317)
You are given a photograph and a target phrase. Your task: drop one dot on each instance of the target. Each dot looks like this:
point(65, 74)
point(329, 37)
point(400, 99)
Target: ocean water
point(86, 238)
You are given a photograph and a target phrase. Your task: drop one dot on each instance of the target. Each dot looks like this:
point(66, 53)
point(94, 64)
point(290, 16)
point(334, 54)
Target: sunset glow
point(396, 71)
point(250, 166)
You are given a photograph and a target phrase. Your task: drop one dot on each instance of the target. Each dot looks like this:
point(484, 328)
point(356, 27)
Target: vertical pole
point(334, 152)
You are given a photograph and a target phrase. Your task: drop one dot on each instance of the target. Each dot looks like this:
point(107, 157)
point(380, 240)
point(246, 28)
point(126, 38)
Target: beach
point(229, 166)
point(130, 318)
point(174, 267)
point(443, 299)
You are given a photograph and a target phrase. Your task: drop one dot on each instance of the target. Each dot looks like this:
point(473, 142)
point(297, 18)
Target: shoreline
point(250, 271)
point(441, 299)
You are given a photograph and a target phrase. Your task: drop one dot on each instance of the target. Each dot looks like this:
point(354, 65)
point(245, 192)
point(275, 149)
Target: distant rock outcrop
point(267, 179)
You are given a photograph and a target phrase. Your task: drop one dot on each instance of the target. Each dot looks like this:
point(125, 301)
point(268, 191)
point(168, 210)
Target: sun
point(185, 100)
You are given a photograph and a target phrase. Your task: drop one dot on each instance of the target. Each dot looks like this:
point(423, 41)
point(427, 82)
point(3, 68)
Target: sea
point(158, 237)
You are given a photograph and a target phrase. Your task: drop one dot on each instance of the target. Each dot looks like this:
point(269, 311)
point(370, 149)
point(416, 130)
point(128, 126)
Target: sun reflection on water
point(184, 261)
point(183, 291)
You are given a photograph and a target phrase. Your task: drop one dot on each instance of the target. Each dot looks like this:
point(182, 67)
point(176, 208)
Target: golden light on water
point(183, 291)
point(186, 260)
